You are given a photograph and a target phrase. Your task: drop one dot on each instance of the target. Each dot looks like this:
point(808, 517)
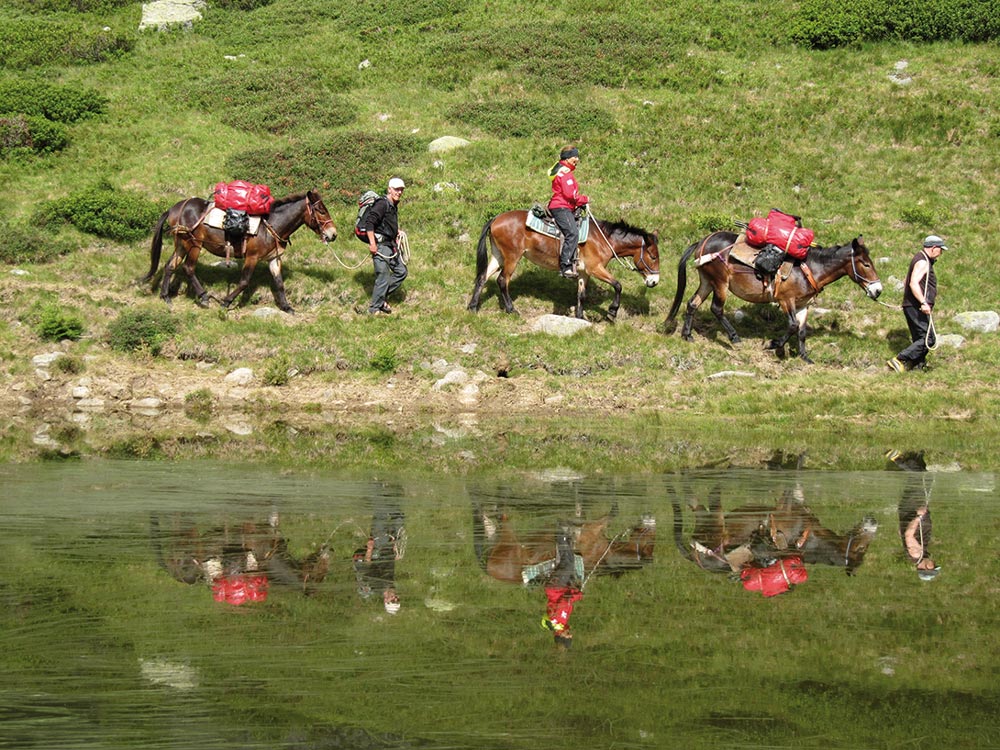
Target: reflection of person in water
point(375, 563)
point(562, 591)
point(915, 513)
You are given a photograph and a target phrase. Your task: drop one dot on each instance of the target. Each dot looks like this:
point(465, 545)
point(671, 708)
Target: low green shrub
point(385, 359)
point(351, 162)
point(525, 119)
point(57, 324)
point(272, 100)
point(19, 244)
point(277, 369)
point(105, 211)
point(824, 24)
point(59, 103)
point(34, 41)
point(30, 134)
point(69, 364)
point(918, 216)
point(69, 6)
point(706, 223)
point(144, 330)
point(199, 404)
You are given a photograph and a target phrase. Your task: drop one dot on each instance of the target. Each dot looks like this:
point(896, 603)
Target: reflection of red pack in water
point(239, 589)
point(243, 196)
point(779, 229)
point(775, 579)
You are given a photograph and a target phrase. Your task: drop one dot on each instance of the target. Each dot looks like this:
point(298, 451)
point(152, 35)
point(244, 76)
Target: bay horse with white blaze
point(506, 238)
point(721, 276)
point(186, 220)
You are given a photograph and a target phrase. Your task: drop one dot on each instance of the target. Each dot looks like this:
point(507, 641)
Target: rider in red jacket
point(566, 198)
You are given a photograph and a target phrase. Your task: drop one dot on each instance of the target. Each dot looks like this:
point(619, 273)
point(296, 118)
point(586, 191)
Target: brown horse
point(719, 275)
point(723, 542)
point(186, 221)
point(505, 556)
point(509, 238)
point(191, 555)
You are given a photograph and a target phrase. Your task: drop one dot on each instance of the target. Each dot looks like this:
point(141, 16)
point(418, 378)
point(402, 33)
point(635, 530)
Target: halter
point(856, 276)
point(311, 212)
point(635, 261)
point(847, 552)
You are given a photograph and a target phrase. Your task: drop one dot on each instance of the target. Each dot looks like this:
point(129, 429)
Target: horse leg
point(492, 268)
point(704, 287)
point(601, 273)
point(802, 331)
point(581, 295)
point(248, 267)
point(718, 304)
point(279, 286)
point(503, 281)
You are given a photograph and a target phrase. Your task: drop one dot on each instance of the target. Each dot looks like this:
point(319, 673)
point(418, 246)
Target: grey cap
point(929, 575)
point(932, 240)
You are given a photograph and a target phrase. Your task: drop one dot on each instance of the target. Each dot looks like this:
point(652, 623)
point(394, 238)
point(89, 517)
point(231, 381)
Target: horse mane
point(293, 198)
point(623, 229)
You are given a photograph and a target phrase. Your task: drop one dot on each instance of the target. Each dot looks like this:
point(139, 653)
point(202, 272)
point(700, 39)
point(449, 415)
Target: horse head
point(631, 549)
point(317, 217)
point(862, 270)
point(641, 246)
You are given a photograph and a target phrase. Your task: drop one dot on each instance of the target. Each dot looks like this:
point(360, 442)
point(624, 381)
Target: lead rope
point(403, 249)
point(931, 333)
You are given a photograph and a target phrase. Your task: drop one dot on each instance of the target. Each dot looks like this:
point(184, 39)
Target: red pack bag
point(780, 229)
point(243, 196)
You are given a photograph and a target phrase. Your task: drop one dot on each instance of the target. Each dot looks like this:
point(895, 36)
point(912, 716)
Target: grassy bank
point(685, 121)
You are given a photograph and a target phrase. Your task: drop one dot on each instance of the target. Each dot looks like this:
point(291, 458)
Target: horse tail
point(479, 535)
point(681, 280)
point(156, 248)
point(684, 548)
point(482, 249)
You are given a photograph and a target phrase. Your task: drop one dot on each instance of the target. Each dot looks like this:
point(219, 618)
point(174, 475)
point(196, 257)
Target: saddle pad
point(549, 228)
point(743, 252)
point(216, 215)
point(540, 570)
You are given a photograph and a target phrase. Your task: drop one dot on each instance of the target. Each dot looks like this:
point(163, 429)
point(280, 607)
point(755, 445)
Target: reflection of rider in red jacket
point(562, 592)
point(776, 578)
point(566, 198)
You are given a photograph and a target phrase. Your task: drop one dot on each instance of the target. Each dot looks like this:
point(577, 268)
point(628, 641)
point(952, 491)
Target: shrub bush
point(142, 330)
point(57, 324)
point(104, 211)
point(198, 405)
point(351, 162)
point(272, 101)
point(69, 364)
point(823, 24)
point(35, 41)
point(276, 370)
point(58, 103)
point(27, 245)
point(523, 119)
point(36, 135)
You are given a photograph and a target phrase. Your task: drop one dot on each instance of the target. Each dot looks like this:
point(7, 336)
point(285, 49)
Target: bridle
point(313, 219)
point(856, 275)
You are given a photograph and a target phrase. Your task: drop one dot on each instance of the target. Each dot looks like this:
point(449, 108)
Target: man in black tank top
point(919, 295)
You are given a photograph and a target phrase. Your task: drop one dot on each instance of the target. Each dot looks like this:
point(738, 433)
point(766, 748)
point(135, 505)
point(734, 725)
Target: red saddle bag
point(779, 229)
point(243, 196)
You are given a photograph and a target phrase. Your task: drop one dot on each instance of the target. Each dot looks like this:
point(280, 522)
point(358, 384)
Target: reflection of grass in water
point(666, 652)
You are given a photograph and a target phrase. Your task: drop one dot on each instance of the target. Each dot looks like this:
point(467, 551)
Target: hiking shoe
point(386, 309)
point(895, 364)
point(569, 273)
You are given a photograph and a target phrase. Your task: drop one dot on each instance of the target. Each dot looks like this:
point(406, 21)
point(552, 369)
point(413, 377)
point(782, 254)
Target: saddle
point(540, 220)
point(539, 571)
point(748, 255)
point(237, 225)
point(216, 218)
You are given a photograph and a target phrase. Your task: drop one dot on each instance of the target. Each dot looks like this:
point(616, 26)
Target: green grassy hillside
point(687, 118)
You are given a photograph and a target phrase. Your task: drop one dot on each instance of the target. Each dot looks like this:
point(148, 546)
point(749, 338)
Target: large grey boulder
point(985, 321)
point(162, 14)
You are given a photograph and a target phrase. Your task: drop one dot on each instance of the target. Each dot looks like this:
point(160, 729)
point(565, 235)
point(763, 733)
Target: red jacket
point(559, 606)
point(565, 189)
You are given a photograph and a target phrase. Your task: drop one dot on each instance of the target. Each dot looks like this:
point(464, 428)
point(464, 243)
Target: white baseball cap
point(396, 183)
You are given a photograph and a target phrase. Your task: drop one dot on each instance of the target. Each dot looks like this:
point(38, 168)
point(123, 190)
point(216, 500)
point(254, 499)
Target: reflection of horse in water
point(191, 556)
point(724, 542)
point(505, 555)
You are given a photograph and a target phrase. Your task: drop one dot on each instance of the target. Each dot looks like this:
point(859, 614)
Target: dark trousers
point(567, 225)
point(389, 274)
point(918, 323)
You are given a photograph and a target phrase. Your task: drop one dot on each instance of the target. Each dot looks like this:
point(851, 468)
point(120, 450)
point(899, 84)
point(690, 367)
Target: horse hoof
point(288, 309)
point(687, 337)
point(203, 302)
point(735, 339)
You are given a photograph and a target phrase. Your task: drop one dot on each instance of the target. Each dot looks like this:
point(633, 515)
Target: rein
point(614, 254)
